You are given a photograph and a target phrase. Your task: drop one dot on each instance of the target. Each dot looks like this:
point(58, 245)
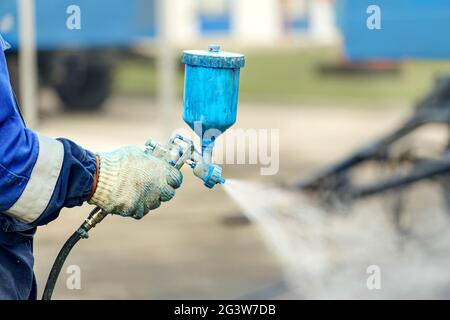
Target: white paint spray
point(326, 256)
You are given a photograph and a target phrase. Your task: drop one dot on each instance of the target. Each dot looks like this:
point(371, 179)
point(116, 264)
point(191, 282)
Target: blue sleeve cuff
point(74, 183)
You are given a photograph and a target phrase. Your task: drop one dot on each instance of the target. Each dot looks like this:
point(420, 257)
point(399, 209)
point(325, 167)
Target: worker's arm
point(39, 175)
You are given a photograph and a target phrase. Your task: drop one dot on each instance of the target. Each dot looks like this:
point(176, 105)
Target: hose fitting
point(94, 218)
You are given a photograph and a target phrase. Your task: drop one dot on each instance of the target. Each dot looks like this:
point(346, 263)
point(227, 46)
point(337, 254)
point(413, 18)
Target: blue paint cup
point(211, 89)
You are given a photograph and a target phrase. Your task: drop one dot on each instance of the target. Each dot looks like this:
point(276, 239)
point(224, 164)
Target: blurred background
point(331, 75)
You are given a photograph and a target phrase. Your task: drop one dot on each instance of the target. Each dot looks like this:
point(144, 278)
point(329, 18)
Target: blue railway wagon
point(394, 29)
point(81, 40)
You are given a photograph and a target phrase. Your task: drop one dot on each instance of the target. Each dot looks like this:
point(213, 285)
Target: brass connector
point(95, 217)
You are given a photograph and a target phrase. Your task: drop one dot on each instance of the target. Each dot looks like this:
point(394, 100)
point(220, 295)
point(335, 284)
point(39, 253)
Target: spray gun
point(211, 87)
point(210, 106)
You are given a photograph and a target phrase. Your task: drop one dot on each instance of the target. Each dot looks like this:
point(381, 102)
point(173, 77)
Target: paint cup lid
point(214, 57)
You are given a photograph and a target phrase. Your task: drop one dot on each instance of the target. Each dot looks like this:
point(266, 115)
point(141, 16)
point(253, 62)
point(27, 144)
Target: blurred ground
point(184, 250)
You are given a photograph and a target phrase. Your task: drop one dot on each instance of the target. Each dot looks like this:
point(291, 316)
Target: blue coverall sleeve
point(38, 175)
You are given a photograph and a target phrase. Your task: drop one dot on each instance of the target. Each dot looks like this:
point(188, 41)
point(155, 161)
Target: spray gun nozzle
point(211, 174)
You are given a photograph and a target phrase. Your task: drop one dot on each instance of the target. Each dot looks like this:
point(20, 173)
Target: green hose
point(95, 217)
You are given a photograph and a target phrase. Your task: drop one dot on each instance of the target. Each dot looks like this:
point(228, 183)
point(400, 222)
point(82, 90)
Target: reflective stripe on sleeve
point(39, 190)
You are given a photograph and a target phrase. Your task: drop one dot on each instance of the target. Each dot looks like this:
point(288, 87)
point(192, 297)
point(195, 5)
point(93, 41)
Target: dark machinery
point(338, 181)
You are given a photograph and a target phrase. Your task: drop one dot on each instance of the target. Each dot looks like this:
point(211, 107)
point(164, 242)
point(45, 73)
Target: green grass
point(292, 77)
point(136, 78)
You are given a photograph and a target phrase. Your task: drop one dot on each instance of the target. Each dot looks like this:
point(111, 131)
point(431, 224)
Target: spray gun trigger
point(150, 145)
point(180, 151)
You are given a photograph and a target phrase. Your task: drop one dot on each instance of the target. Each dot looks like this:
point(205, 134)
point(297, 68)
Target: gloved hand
point(131, 182)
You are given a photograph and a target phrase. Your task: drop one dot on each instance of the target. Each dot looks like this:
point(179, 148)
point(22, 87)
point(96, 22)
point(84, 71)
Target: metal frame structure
point(336, 181)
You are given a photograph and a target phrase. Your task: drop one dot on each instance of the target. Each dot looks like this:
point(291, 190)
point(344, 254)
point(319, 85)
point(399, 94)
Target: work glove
point(131, 182)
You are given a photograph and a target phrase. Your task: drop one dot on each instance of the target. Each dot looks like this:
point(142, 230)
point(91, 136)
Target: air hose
point(95, 217)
